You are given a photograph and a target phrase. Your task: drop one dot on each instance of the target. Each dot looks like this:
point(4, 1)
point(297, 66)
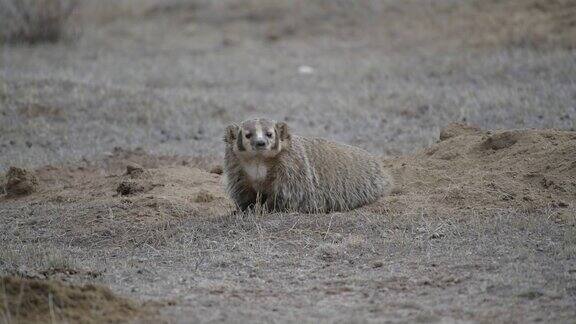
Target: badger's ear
point(231, 133)
point(283, 131)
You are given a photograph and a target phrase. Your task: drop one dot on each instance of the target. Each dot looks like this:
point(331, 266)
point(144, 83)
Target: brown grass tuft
point(34, 21)
point(20, 182)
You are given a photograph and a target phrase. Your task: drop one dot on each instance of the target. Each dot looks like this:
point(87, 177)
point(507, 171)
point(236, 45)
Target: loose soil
point(35, 301)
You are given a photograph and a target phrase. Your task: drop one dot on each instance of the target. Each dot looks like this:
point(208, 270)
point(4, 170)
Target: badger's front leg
point(246, 199)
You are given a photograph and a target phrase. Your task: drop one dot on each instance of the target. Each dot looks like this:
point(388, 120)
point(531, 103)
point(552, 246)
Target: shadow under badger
point(265, 164)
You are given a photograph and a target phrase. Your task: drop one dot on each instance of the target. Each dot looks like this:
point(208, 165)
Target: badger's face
point(257, 138)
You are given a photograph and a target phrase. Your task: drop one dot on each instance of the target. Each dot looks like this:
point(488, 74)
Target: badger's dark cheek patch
point(240, 142)
point(276, 143)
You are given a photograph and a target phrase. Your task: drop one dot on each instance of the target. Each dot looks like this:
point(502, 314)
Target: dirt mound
point(36, 301)
point(468, 169)
point(136, 182)
point(145, 193)
point(474, 169)
point(124, 196)
point(457, 129)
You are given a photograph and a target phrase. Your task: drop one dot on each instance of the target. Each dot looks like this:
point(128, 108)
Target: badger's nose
point(260, 143)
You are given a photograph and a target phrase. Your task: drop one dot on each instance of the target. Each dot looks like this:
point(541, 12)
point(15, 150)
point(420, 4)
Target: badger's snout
point(260, 143)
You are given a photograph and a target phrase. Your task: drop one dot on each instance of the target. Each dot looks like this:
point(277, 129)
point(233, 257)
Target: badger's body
point(294, 173)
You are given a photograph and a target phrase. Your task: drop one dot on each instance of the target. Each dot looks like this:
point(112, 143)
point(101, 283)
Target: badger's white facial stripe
point(255, 171)
point(259, 133)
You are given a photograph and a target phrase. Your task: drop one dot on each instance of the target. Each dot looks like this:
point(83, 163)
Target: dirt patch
point(148, 191)
point(35, 110)
point(37, 301)
point(125, 199)
point(468, 168)
point(523, 22)
point(486, 170)
point(489, 23)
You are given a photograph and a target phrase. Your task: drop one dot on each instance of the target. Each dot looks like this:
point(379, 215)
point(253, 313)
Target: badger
point(266, 165)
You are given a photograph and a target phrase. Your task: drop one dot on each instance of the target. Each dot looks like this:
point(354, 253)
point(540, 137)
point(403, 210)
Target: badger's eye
point(269, 134)
point(248, 135)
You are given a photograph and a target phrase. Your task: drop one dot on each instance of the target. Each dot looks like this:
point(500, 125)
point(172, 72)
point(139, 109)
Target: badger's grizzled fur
point(264, 163)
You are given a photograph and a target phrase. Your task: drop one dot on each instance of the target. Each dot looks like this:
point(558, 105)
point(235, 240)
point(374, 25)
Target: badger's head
point(257, 138)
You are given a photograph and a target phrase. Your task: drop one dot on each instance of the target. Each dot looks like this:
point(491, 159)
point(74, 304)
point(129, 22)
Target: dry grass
point(386, 76)
point(278, 262)
point(34, 21)
point(390, 95)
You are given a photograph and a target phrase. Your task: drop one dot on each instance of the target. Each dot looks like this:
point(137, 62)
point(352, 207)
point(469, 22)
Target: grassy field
point(475, 232)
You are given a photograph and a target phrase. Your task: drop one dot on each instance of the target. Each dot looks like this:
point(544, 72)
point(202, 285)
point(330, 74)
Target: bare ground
point(480, 228)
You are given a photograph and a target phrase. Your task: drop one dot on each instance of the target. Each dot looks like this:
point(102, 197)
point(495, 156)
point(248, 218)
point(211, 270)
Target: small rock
point(217, 169)
point(305, 69)
point(20, 182)
point(531, 294)
point(134, 170)
point(377, 264)
point(130, 187)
